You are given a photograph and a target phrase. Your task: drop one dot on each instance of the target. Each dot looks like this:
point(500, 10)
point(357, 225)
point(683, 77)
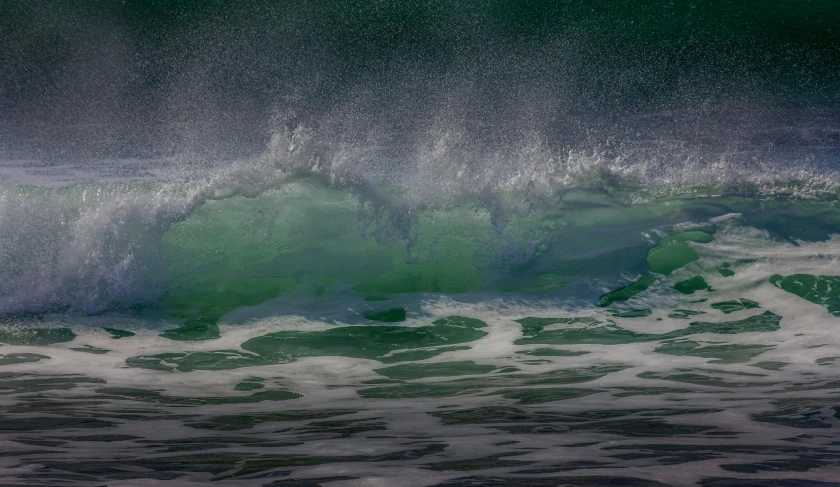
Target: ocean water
point(420, 243)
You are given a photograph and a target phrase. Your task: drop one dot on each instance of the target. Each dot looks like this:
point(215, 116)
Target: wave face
point(434, 243)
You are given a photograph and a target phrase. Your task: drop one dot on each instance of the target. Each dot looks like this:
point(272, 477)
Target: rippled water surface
point(719, 363)
point(417, 243)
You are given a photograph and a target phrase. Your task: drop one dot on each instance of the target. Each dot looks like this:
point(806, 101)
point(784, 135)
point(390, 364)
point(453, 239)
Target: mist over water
point(357, 243)
point(156, 79)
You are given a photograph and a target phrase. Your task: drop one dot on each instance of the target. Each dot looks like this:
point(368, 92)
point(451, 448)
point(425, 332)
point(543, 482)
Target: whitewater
point(419, 244)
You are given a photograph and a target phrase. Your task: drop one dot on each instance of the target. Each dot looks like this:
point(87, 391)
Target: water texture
point(358, 243)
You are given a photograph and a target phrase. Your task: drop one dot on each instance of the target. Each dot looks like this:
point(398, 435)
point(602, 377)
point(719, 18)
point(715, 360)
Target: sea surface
point(439, 243)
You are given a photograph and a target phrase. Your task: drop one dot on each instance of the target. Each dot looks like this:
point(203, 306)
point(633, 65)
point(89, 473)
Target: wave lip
point(97, 246)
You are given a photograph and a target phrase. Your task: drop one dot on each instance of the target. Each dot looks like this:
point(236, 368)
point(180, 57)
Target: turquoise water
point(301, 333)
point(419, 244)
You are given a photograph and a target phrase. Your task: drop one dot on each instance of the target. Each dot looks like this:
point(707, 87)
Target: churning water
point(419, 244)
